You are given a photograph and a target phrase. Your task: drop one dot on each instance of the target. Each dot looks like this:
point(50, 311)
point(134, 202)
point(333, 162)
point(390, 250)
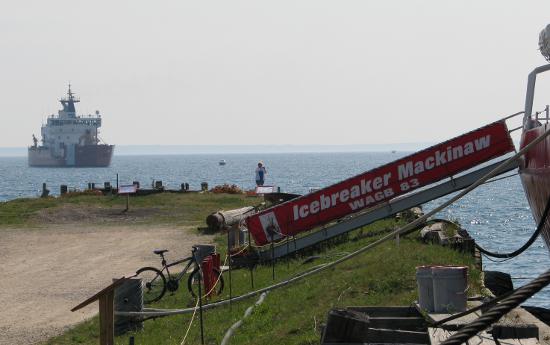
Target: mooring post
point(45, 191)
point(117, 181)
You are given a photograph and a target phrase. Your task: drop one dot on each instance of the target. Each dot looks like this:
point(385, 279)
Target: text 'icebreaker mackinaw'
point(378, 184)
point(381, 184)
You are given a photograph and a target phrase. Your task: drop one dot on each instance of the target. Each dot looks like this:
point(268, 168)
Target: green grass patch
point(292, 314)
point(166, 208)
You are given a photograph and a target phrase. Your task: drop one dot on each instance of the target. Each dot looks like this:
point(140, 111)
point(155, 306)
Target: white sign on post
point(265, 189)
point(128, 189)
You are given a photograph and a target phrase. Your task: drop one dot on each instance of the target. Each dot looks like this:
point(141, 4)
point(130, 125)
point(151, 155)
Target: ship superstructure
point(69, 139)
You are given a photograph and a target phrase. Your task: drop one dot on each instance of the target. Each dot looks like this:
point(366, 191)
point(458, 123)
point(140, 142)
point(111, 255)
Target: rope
point(240, 251)
point(494, 314)
point(190, 322)
point(527, 244)
point(390, 236)
point(238, 324)
point(501, 178)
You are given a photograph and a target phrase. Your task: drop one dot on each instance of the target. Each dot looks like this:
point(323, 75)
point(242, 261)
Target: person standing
point(260, 174)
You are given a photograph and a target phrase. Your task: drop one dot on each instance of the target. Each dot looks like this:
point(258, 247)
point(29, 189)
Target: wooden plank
point(518, 331)
point(392, 311)
point(95, 297)
point(438, 335)
point(401, 323)
point(381, 335)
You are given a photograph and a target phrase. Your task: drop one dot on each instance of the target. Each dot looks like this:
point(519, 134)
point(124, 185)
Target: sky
point(269, 72)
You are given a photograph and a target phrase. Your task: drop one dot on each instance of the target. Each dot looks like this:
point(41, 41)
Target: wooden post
point(106, 318)
point(106, 311)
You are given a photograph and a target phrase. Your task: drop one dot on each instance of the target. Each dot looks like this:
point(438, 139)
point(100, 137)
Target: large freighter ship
point(69, 140)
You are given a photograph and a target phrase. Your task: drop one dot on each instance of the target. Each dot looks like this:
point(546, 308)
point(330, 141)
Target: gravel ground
point(48, 271)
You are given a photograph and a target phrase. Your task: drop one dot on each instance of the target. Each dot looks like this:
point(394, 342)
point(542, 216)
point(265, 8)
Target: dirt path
point(46, 272)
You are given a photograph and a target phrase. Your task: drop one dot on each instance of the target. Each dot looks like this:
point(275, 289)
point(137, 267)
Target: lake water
point(496, 214)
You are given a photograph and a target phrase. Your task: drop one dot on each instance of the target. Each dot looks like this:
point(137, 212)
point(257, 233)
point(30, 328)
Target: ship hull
point(83, 156)
point(535, 175)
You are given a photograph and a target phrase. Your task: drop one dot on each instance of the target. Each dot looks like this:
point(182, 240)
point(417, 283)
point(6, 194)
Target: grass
point(167, 208)
point(292, 314)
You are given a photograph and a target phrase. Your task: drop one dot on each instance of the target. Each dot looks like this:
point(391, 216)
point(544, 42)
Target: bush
point(80, 193)
point(227, 189)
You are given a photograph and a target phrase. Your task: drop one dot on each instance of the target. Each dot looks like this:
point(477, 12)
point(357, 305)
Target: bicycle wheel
point(193, 283)
point(153, 284)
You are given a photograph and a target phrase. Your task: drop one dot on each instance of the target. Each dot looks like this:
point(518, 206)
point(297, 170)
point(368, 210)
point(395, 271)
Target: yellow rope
point(240, 251)
point(190, 323)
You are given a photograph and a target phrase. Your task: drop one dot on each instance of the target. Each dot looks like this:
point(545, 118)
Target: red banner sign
point(381, 184)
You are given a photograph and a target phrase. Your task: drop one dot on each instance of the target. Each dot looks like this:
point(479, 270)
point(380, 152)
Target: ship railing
point(535, 117)
point(546, 112)
point(512, 116)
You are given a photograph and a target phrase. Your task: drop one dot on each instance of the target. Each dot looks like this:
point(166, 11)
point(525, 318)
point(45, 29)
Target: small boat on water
point(222, 162)
point(535, 164)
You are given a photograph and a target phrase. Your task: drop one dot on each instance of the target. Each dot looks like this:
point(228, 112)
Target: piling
point(45, 191)
point(63, 189)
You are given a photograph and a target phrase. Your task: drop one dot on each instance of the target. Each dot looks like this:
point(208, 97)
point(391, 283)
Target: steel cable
point(527, 244)
point(494, 314)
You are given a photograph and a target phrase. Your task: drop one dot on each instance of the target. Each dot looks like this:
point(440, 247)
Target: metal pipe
point(530, 95)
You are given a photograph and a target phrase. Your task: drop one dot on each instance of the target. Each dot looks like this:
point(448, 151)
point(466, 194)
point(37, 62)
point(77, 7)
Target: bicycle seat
point(160, 251)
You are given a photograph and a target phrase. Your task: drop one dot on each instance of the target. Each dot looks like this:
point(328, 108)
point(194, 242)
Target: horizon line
point(129, 150)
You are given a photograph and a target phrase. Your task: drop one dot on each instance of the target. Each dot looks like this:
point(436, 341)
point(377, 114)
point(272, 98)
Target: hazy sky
point(279, 72)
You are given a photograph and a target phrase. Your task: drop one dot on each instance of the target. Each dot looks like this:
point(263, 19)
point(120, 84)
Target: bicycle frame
point(182, 273)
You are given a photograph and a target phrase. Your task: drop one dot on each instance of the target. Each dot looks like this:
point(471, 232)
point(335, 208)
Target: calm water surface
point(496, 214)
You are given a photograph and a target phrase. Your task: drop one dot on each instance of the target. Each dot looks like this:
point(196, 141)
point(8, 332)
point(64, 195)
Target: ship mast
point(68, 104)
